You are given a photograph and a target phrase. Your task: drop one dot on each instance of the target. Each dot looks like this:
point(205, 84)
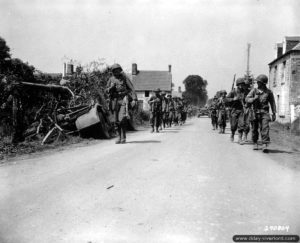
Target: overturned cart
point(67, 114)
point(94, 123)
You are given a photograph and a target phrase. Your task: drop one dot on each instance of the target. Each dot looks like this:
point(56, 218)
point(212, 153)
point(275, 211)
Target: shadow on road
point(145, 141)
point(277, 151)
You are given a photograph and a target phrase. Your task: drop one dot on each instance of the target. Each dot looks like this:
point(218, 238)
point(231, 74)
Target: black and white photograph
point(149, 121)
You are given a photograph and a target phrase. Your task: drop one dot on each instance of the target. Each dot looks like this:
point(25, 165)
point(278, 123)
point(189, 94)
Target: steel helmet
point(157, 90)
point(224, 91)
point(262, 78)
point(116, 66)
point(240, 81)
point(163, 93)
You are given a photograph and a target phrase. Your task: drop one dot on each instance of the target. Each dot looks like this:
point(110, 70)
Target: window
point(147, 93)
point(274, 76)
point(283, 72)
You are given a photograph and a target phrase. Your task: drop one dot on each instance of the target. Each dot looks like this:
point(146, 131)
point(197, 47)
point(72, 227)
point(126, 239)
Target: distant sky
point(204, 37)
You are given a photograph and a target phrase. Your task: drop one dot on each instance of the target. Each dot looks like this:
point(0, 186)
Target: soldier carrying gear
point(155, 103)
point(262, 98)
point(213, 113)
point(179, 110)
point(236, 99)
point(222, 111)
point(121, 93)
point(248, 111)
point(171, 110)
point(165, 109)
point(175, 119)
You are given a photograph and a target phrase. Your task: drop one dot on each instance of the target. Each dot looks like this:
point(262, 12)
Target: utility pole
point(248, 60)
point(248, 76)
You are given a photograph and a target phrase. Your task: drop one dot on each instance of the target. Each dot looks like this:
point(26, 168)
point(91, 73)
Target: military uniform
point(236, 99)
point(178, 111)
point(213, 113)
point(248, 114)
point(155, 103)
point(262, 99)
point(184, 111)
point(222, 116)
point(171, 110)
point(165, 110)
point(121, 93)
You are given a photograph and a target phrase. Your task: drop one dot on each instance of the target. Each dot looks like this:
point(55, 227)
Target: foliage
point(195, 90)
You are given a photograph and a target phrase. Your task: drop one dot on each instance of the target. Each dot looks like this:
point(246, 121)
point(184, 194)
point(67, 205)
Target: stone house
point(284, 80)
point(145, 82)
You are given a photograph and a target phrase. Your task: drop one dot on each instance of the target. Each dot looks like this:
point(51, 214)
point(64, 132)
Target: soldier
point(213, 113)
point(175, 101)
point(171, 110)
point(248, 111)
point(222, 111)
point(165, 109)
point(184, 111)
point(262, 98)
point(121, 92)
point(155, 103)
point(179, 110)
point(236, 99)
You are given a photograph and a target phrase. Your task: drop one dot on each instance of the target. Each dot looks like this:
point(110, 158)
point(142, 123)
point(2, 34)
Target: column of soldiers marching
point(165, 110)
point(247, 108)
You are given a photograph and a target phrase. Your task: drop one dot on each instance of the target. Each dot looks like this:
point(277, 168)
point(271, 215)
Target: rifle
point(232, 87)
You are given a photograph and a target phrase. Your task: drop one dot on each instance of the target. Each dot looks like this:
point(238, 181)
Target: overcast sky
point(204, 37)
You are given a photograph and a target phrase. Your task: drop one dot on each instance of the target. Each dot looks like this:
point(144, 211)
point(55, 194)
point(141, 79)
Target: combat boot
point(152, 130)
point(265, 148)
point(255, 146)
point(220, 130)
point(223, 131)
point(118, 141)
point(232, 137)
point(245, 139)
point(240, 141)
point(156, 130)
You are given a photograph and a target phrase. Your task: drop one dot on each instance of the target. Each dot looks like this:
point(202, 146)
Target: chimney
point(179, 89)
point(170, 68)
point(65, 69)
point(134, 69)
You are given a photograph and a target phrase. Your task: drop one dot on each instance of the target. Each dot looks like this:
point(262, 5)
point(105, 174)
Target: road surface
point(185, 184)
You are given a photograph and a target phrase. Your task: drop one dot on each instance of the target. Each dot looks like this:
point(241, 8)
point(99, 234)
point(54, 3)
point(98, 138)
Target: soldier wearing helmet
point(236, 99)
point(222, 111)
point(176, 114)
point(165, 109)
point(171, 106)
point(262, 99)
point(121, 93)
point(213, 112)
point(155, 103)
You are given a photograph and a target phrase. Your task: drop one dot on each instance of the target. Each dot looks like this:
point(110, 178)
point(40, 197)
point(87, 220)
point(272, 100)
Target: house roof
point(297, 47)
point(294, 49)
point(287, 53)
point(151, 80)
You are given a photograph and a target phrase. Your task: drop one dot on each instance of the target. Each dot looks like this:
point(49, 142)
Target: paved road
point(186, 184)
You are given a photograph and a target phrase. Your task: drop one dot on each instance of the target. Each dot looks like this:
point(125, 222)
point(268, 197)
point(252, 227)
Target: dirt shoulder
point(25, 150)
